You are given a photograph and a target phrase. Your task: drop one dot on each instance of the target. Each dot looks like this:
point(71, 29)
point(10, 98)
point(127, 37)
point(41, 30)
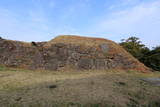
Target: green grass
point(3, 68)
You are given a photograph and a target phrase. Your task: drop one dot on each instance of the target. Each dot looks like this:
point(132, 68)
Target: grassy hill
point(23, 88)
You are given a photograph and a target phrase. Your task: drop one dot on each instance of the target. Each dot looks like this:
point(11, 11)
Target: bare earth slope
point(68, 52)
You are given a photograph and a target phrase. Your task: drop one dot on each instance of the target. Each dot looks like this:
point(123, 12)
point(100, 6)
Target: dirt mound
point(68, 51)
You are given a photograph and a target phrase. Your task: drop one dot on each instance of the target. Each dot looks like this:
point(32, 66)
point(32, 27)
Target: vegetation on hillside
point(150, 58)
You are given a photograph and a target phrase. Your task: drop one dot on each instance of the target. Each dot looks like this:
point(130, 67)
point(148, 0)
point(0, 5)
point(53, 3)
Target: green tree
point(134, 46)
point(152, 59)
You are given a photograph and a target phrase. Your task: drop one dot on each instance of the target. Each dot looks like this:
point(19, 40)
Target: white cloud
point(34, 27)
point(18, 28)
point(142, 20)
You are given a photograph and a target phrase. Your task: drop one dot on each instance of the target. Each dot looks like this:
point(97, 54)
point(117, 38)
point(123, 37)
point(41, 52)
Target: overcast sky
point(42, 20)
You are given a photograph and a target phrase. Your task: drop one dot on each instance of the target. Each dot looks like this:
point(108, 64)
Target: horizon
point(43, 20)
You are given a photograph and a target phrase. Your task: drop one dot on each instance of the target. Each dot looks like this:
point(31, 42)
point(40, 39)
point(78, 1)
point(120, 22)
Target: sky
point(42, 20)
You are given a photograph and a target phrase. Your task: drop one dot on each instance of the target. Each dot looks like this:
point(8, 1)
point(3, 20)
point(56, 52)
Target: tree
point(134, 46)
point(150, 58)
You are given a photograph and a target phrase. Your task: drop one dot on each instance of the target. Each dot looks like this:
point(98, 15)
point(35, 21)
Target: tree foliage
point(134, 46)
point(150, 58)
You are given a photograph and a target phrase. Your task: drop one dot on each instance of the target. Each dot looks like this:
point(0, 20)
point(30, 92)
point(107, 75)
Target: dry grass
point(22, 43)
point(30, 78)
point(78, 40)
point(76, 88)
point(89, 42)
point(85, 41)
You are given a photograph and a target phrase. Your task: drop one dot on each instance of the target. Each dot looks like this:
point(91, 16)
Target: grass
point(4, 68)
point(76, 89)
point(24, 44)
point(88, 42)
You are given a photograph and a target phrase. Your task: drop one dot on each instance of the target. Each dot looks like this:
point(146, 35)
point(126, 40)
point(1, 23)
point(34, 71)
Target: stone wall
point(59, 55)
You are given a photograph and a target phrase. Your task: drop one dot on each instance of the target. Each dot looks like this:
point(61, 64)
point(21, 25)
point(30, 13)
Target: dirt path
point(153, 81)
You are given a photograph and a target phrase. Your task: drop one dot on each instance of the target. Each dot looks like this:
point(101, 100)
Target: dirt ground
point(20, 88)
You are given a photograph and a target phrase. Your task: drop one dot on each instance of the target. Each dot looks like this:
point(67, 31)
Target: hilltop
point(68, 51)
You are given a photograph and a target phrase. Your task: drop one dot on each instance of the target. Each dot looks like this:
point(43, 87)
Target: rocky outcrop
point(67, 51)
